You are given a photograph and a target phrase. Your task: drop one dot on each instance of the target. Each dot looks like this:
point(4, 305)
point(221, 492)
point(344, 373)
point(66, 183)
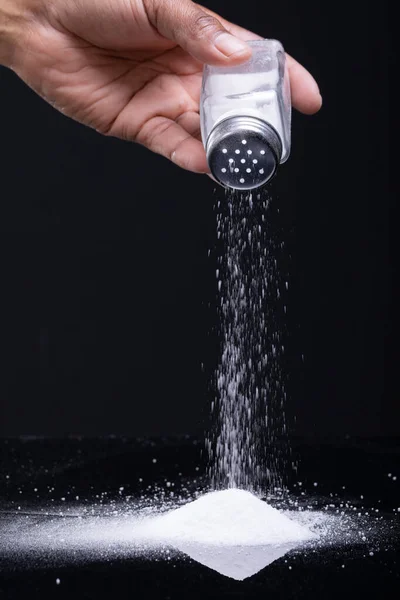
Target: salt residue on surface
point(231, 517)
point(71, 534)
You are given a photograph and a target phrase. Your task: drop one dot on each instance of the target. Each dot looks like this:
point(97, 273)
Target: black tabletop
point(65, 505)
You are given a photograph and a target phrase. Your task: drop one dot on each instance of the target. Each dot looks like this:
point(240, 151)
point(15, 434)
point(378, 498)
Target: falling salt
point(247, 444)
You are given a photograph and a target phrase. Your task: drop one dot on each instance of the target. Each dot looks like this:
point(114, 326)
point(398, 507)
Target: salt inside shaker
point(246, 117)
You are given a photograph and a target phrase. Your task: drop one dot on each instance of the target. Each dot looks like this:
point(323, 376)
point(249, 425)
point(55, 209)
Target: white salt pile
point(227, 518)
point(231, 532)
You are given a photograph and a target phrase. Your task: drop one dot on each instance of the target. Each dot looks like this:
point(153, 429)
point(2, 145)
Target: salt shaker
point(245, 117)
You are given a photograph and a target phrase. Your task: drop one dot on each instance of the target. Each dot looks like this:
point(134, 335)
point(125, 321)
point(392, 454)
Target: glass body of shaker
point(250, 101)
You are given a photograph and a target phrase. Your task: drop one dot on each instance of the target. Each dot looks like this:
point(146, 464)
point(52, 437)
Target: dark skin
point(130, 68)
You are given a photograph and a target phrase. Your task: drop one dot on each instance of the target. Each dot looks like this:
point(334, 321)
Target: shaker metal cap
point(243, 153)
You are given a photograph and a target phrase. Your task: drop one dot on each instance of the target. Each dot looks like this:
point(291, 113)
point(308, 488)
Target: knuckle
point(156, 10)
point(151, 131)
point(205, 25)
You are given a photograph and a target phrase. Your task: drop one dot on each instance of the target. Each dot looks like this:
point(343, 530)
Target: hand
point(130, 68)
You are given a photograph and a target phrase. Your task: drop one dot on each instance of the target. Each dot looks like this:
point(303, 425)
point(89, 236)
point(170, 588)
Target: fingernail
point(229, 44)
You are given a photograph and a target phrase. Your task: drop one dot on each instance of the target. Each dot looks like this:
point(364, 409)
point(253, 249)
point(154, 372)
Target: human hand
point(130, 68)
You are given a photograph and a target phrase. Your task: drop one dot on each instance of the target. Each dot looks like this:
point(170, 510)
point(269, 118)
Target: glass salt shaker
point(246, 117)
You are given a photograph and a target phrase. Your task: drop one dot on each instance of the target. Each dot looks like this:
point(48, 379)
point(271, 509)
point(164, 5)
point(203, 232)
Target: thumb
point(196, 31)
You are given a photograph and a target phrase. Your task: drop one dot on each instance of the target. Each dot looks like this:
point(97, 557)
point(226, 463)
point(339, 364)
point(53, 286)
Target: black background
point(107, 292)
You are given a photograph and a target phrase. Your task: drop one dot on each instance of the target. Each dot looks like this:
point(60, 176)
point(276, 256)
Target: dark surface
point(106, 283)
point(89, 467)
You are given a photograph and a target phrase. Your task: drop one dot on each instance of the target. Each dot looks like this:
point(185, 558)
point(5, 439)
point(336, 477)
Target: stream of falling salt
point(248, 445)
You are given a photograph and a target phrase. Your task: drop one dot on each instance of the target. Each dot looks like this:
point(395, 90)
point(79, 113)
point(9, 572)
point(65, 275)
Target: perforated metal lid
point(243, 152)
